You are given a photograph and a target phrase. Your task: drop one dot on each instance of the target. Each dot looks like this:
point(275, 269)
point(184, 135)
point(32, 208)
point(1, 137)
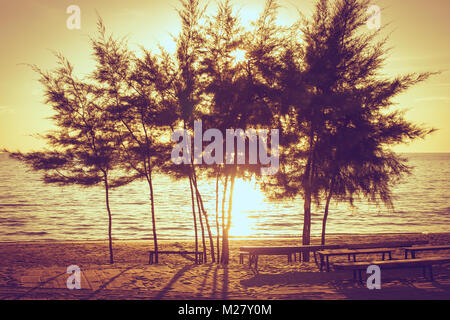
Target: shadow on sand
point(202, 293)
point(413, 287)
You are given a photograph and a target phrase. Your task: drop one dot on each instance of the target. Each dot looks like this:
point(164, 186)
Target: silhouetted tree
point(342, 125)
point(189, 104)
point(138, 104)
point(237, 96)
point(82, 150)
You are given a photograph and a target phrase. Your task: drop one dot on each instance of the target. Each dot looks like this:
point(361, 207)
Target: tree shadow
point(294, 277)
point(214, 284)
point(205, 279)
point(393, 287)
point(42, 283)
point(402, 290)
point(104, 285)
point(225, 283)
point(174, 279)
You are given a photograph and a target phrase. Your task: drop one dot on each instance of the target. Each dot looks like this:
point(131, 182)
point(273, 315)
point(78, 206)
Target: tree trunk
point(225, 189)
point(205, 257)
point(217, 218)
point(195, 220)
point(225, 240)
point(152, 202)
point(205, 215)
point(111, 255)
point(208, 228)
point(306, 236)
point(325, 215)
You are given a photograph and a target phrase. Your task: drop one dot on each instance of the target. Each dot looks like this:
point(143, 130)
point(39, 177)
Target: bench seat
point(425, 263)
point(413, 250)
point(181, 252)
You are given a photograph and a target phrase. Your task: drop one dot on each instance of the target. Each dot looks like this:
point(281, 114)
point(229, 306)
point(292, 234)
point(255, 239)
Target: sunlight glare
point(238, 56)
point(247, 199)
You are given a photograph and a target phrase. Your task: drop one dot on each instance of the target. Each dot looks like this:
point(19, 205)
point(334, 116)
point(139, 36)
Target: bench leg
point(150, 258)
point(306, 256)
point(251, 258)
point(430, 271)
point(328, 264)
point(357, 276)
point(390, 255)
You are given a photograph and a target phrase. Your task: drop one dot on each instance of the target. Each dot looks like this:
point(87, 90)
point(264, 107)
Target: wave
point(19, 205)
point(26, 233)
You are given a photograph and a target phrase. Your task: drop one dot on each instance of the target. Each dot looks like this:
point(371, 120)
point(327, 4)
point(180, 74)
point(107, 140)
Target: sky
point(31, 29)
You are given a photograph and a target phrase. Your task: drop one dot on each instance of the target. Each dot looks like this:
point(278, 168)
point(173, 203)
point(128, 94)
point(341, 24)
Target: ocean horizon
point(33, 211)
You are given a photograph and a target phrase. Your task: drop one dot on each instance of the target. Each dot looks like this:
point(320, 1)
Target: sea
point(31, 210)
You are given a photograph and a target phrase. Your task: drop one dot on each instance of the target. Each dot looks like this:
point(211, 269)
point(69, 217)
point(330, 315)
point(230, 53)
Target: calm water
point(31, 210)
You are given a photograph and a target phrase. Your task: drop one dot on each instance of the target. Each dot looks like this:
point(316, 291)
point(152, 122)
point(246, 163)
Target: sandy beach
point(37, 270)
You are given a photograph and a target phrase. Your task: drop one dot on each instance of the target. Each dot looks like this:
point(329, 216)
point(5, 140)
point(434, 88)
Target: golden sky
point(31, 29)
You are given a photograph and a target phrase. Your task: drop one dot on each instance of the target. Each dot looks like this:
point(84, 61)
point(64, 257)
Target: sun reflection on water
point(246, 200)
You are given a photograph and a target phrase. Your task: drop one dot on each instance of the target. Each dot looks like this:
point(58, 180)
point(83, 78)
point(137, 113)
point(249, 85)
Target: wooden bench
point(255, 252)
point(152, 253)
point(326, 254)
point(413, 250)
point(425, 263)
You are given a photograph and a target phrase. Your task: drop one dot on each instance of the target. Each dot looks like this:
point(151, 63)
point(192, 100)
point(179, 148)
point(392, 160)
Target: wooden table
point(255, 252)
point(326, 254)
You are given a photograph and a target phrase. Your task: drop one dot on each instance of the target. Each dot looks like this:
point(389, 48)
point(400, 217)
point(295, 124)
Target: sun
point(238, 56)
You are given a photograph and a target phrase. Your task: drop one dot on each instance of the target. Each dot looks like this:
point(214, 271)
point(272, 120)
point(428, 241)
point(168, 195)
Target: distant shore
point(37, 270)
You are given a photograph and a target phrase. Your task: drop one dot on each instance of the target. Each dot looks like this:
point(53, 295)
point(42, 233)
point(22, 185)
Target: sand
point(37, 270)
